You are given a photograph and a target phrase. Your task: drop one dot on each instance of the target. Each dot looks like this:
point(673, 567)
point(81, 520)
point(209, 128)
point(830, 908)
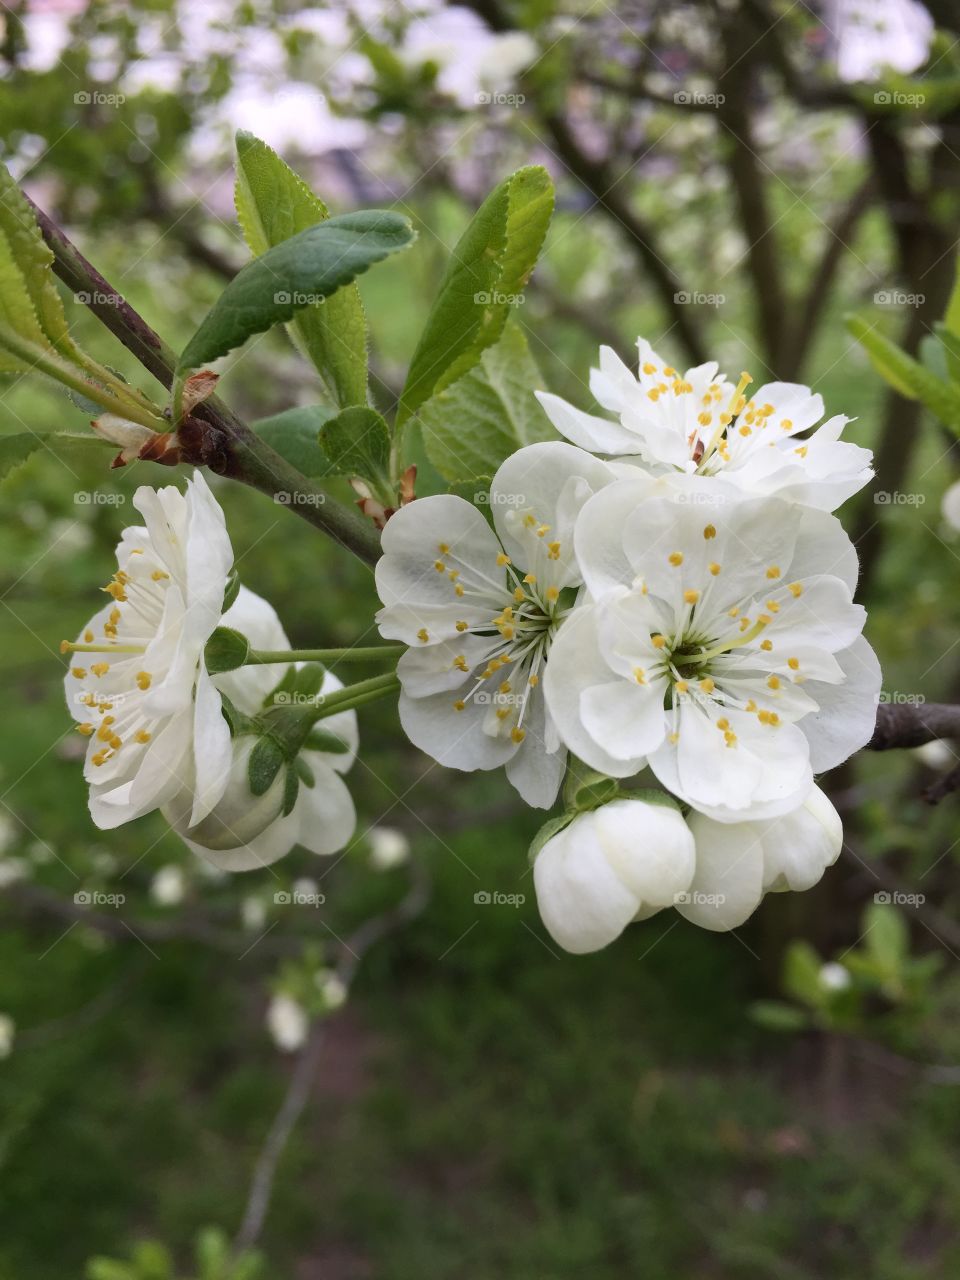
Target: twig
point(901, 724)
point(219, 439)
point(295, 1100)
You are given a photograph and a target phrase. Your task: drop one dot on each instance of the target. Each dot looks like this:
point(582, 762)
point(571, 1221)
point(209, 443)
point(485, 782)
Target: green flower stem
point(372, 653)
point(356, 695)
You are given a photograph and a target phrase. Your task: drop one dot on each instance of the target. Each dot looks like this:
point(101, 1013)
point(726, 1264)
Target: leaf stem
point(356, 695)
point(371, 653)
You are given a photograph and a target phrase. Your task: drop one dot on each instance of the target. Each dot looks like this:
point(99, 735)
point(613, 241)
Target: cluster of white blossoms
point(683, 605)
point(139, 689)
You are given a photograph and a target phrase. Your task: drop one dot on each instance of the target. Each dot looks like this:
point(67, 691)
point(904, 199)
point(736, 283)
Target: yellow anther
point(86, 729)
point(104, 733)
point(773, 571)
point(116, 590)
point(530, 579)
point(439, 566)
point(658, 641)
point(787, 424)
point(88, 636)
point(691, 597)
point(552, 593)
point(744, 624)
point(745, 431)
point(141, 736)
point(763, 620)
point(639, 675)
point(751, 705)
point(529, 520)
point(681, 686)
point(802, 451)
point(709, 532)
point(459, 705)
point(676, 558)
point(533, 681)
point(518, 735)
point(502, 559)
point(730, 738)
point(732, 613)
point(78, 673)
point(723, 723)
point(793, 664)
point(443, 548)
point(653, 395)
point(707, 685)
point(158, 575)
point(795, 589)
point(462, 626)
point(460, 663)
point(519, 594)
point(144, 679)
point(553, 551)
point(673, 739)
point(773, 682)
point(704, 419)
point(766, 644)
point(773, 606)
point(505, 687)
point(502, 713)
point(649, 368)
point(768, 717)
point(543, 531)
point(100, 668)
point(669, 371)
point(458, 590)
point(714, 568)
point(100, 758)
point(423, 635)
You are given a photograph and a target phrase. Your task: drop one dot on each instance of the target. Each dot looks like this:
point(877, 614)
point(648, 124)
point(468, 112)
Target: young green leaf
point(16, 449)
point(469, 428)
point(486, 274)
point(273, 204)
point(907, 375)
point(295, 436)
point(357, 443)
point(301, 271)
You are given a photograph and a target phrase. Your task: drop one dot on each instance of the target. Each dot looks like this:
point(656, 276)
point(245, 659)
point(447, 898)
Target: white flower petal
point(848, 711)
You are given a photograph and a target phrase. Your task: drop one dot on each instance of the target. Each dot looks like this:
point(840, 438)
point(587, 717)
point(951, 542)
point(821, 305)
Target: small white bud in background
point(7, 1031)
point(332, 988)
point(388, 848)
point(130, 436)
point(253, 913)
point(834, 977)
point(287, 1023)
point(168, 886)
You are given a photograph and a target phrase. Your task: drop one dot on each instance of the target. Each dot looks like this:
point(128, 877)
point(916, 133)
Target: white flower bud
point(7, 1030)
point(834, 977)
point(287, 1023)
point(388, 847)
point(950, 506)
point(130, 436)
point(167, 886)
point(332, 988)
point(626, 859)
point(239, 816)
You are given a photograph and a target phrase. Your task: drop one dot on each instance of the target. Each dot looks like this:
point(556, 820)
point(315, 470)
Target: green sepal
point(583, 791)
point(226, 650)
point(552, 827)
point(291, 788)
point(231, 592)
point(323, 740)
point(266, 760)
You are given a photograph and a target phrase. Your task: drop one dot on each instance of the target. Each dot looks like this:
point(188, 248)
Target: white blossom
point(737, 863)
point(287, 1022)
point(698, 423)
point(722, 646)
point(480, 610)
point(240, 831)
point(950, 506)
point(143, 695)
point(332, 988)
point(876, 35)
point(834, 977)
point(621, 862)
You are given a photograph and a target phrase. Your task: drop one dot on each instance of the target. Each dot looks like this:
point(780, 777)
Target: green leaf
point(108, 1269)
point(264, 764)
point(225, 650)
point(469, 428)
point(906, 375)
point(952, 317)
point(310, 265)
point(273, 204)
point(775, 1016)
point(950, 343)
point(295, 434)
point(801, 973)
point(16, 449)
point(357, 442)
point(886, 936)
point(487, 271)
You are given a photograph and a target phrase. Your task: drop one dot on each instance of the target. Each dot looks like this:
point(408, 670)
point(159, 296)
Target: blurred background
point(734, 176)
